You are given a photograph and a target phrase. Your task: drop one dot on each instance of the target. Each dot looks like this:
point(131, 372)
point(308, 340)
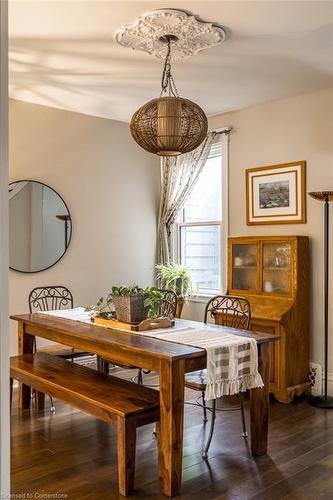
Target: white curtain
point(178, 176)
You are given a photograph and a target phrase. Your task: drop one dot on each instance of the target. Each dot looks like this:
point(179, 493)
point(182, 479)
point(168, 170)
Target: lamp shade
point(169, 126)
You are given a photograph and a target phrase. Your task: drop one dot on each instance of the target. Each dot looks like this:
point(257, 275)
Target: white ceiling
point(63, 54)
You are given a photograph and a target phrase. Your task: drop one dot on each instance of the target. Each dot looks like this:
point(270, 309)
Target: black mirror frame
point(70, 234)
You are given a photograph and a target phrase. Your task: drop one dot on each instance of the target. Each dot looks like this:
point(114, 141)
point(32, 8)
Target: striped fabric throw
point(232, 360)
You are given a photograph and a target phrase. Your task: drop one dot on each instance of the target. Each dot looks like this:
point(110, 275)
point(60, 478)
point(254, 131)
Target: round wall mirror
point(40, 226)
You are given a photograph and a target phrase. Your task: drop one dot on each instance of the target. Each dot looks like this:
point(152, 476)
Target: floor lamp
point(324, 401)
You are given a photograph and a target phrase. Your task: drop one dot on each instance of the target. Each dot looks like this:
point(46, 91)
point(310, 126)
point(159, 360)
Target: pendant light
point(169, 125)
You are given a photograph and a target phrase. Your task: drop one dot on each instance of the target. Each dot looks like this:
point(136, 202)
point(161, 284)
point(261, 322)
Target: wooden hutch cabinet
point(273, 274)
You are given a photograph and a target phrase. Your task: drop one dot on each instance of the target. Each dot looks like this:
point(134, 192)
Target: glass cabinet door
point(276, 276)
point(245, 266)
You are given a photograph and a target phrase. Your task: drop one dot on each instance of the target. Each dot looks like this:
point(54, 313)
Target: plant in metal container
point(177, 277)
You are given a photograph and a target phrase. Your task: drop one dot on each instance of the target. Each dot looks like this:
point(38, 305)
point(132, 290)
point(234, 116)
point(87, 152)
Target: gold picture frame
point(276, 194)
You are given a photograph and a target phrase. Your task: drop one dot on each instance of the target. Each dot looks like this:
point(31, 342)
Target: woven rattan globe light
point(169, 125)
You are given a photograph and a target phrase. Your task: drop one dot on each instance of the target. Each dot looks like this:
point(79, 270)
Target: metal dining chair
point(167, 309)
point(224, 310)
point(48, 298)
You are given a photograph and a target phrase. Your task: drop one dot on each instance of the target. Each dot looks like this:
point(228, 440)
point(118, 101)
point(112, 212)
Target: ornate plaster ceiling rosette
point(190, 33)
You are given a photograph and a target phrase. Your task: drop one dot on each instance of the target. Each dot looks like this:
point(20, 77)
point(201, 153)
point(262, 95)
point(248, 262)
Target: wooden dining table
point(169, 359)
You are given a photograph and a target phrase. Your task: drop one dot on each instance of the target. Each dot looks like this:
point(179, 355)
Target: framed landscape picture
point(276, 194)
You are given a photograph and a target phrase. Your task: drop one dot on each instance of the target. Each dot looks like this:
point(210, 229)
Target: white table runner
point(232, 360)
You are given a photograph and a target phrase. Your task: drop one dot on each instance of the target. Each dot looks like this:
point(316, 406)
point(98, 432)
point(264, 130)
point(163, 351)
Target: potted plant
point(131, 304)
point(128, 303)
point(176, 277)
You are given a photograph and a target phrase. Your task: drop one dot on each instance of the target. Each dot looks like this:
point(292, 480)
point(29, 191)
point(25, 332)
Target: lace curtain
point(178, 176)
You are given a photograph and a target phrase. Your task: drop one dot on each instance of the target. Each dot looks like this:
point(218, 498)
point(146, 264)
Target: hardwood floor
point(74, 455)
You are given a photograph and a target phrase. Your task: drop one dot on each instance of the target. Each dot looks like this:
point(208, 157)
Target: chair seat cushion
point(196, 380)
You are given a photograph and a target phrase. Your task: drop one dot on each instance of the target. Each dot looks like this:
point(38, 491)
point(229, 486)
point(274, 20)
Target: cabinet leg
point(287, 395)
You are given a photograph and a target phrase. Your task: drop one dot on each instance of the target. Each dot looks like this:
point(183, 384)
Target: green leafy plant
point(152, 297)
point(152, 300)
point(102, 308)
point(127, 290)
point(176, 277)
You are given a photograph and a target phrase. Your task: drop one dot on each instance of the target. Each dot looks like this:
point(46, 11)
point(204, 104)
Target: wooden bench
point(63, 352)
point(109, 398)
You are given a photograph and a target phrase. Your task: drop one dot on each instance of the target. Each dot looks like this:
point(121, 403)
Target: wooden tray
point(146, 324)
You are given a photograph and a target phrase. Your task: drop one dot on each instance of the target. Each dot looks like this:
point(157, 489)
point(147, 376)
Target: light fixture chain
point(168, 83)
point(173, 86)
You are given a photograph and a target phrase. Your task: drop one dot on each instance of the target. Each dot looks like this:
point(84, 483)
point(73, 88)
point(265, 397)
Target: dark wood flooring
point(74, 455)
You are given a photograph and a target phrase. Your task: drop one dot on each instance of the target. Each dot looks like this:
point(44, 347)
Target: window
point(199, 226)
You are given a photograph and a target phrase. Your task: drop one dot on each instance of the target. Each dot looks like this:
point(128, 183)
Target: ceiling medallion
point(191, 34)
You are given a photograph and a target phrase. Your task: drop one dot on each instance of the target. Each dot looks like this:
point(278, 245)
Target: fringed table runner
point(232, 360)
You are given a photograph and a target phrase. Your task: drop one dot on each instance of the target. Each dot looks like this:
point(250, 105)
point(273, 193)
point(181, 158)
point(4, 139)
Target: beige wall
point(111, 188)
point(283, 131)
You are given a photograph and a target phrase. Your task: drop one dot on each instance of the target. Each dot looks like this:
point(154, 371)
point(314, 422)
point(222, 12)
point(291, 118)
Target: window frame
point(223, 223)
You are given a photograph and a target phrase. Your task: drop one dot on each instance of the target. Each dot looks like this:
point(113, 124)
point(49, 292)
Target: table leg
point(260, 404)
point(170, 430)
point(25, 346)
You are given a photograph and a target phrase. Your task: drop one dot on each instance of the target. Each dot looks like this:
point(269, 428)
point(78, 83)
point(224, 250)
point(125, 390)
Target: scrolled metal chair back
point(48, 298)
point(228, 310)
point(168, 304)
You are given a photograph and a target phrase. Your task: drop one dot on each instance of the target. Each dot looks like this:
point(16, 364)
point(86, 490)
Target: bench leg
point(102, 365)
point(126, 444)
point(99, 363)
point(39, 400)
point(106, 367)
point(25, 346)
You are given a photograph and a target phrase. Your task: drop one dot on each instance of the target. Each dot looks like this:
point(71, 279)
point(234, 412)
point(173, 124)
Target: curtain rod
point(225, 130)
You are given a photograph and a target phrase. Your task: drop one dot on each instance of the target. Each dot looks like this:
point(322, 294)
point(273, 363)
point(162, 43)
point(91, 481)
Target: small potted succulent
point(176, 277)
